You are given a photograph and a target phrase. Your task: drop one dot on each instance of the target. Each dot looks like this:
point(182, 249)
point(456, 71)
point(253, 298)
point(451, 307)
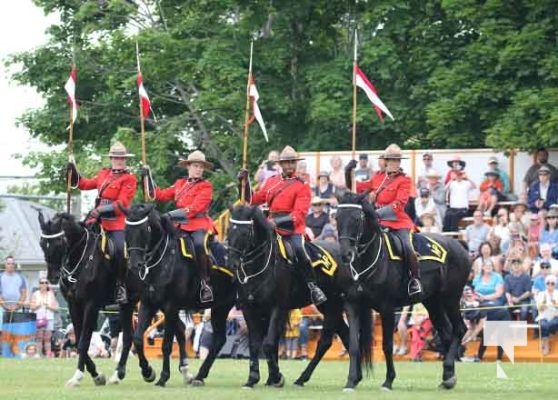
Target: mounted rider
point(192, 196)
point(116, 186)
point(288, 199)
point(389, 191)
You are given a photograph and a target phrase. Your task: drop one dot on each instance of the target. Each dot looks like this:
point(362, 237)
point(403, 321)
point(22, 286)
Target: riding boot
point(415, 286)
point(206, 292)
point(316, 294)
point(121, 296)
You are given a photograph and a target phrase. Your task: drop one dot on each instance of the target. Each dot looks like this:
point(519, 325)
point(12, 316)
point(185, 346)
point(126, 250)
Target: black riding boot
point(415, 286)
point(121, 295)
point(316, 294)
point(206, 292)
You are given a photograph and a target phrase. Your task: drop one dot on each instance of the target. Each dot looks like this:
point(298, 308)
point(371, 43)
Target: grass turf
point(45, 379)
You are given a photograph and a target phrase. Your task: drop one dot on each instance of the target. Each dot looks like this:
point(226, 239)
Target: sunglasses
point(44, 283)
point(551, 217)
point(551, 283)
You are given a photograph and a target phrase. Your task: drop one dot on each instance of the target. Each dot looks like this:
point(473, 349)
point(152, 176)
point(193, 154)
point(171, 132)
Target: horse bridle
point(361, 248)
point(65, 260)
point(248, 257)
point(148, 255)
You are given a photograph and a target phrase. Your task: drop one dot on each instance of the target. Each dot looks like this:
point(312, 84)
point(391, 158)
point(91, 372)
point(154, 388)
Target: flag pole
point(70, 147)
point(142, 130)
point(246, 124)
point(353, 188)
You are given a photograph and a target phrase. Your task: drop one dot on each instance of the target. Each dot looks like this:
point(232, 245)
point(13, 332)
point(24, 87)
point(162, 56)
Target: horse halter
point(62, 235)
point(148, 255)
point(360, 248)
point(248, 256)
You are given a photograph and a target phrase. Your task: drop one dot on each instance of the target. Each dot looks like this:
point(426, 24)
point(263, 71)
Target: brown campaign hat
point(198, 157)
point(119, 150)
point(289, 154)
point(393, 152)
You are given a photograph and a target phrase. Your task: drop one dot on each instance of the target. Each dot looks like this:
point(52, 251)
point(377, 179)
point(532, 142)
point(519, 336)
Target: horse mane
point(260, 219)
point(166, 224)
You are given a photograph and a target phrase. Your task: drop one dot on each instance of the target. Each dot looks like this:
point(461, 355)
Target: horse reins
point(148, 255)
point(69, 274)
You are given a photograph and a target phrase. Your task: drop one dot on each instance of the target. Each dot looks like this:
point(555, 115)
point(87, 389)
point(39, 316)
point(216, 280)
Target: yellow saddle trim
point(439, 253)
point(222, 270)
point(283, 249)
point(184, 248)
point(326, 262)
point(104, 245)
point(391, 253)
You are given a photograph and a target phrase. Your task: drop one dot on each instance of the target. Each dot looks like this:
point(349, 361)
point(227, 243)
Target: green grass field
point(44, 379)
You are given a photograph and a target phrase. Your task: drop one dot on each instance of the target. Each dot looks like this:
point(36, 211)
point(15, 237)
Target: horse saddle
point(319, 257)
point(425, 247)
point(107, 246)
point(217, 253)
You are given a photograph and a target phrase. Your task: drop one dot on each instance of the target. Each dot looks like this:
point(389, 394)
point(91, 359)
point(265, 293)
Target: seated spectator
point(457, 192)
point(520, 216)
point(337, 173)
point(456, 167)
point(516, 246)
point(302, 173)
point(549, 234)
point(402, 320)
point(437, 191)
point(533, 232)
point(547, 303)
point(517, 286)
point(541, 159)
point(428, 224)
point(545, 255)
point(502, 176)
point(539, 285)
point(318, 218)
point(501, 229)
point(363, 172)
point(491, 191)
point(486, 253)
point(324, 189)
point(543, 193)
point(476, 233)
point(473, 315)
point(489, 286)
point(329, 231)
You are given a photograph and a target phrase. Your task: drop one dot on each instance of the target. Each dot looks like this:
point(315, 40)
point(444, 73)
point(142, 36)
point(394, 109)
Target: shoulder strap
point(106, 183)
point(185, 188)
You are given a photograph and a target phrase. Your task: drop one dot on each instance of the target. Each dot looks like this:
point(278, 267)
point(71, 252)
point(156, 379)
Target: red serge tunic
point(286, 195)
point(194, 196)
point(114, 188)
point(395, 193)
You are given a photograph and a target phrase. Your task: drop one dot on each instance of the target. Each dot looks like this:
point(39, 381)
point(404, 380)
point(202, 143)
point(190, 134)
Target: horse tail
point(365, 337)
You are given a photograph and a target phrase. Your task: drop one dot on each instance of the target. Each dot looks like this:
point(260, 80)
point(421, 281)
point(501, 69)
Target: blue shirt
point(516, 285)
point(549, 237)
point(487, 288)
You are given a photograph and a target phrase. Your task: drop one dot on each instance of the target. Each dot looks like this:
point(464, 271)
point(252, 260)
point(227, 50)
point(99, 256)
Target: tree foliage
point(455, 73)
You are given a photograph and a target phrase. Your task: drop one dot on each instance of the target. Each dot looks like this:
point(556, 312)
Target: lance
point(246, 125)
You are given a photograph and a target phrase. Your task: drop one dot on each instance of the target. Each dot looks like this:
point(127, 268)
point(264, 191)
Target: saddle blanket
point(216, 254)
point(425, 247)
point(319, 257)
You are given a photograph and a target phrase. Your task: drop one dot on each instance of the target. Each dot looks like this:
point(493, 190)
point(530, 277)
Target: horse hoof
point(114, 379)
point(100, 380)
point(385, 389)
point(149, 376)
point(197, 382)
point(281, 382)
point(348, 390)
point(247, 387)
point(160, 384)
point(448, 383)
point(187, 377)
point(75, 380)
point(298, 384)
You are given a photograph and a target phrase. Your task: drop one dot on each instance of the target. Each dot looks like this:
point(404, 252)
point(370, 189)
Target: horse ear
point(230, 207)
point(362, 196)
point(41, 219)
point(149, 207)
point(125, 210)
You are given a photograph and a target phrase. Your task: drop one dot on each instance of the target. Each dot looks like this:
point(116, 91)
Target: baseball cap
point(363, 156)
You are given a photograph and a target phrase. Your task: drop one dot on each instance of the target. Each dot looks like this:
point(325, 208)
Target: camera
point(269, 165)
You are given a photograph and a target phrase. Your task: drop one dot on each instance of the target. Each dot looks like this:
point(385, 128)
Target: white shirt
point(550, 303)
point(459, 193)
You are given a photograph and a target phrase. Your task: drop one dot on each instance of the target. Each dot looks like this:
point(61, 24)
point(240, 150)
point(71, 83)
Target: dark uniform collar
point(194, 179)
point(119, 171)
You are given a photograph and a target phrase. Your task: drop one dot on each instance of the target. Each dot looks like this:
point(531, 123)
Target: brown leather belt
point(276, 214)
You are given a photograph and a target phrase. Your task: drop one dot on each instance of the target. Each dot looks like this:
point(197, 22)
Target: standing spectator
point(302, 172)
point(543, 193)
point(517, 287)
point(292, 333)
point(533, 233)
point(457, 192)
point(437, 191)
point(502, 175)
point(324, 189)
point(420, 331)
point(44, 305)
point(310, 316)
point(456, 167)
point(363, 172)
point(337, 175)
point(318, 218)
point(476, 233)
point(268, 168)
point(13, 288)
point(549, 234)
point(491, 191)
point(427, 167)
point(547, 303)
point(541, 160)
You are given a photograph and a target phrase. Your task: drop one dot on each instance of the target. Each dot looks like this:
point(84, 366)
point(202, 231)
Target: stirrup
point(414, 287)
point(206, 293)
point(316, 294)
point(121, 295)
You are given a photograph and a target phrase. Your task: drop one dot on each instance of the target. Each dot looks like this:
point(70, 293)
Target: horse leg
point(331, 324)
point(219, 324)
point(277, 323)
point(145, 316)
point(90, 315)
point(76, 315)
point(171, 315)
point(255, 339)
point(458, 330)
point(388, 322)
point(180, 334)
point(125, 312)
point(353, 318)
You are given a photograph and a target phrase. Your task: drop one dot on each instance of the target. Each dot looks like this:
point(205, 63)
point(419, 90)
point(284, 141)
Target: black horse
point(373, 276)
point(75, 260)
point(269, 286)
point(171, 281)
point(58, 242)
